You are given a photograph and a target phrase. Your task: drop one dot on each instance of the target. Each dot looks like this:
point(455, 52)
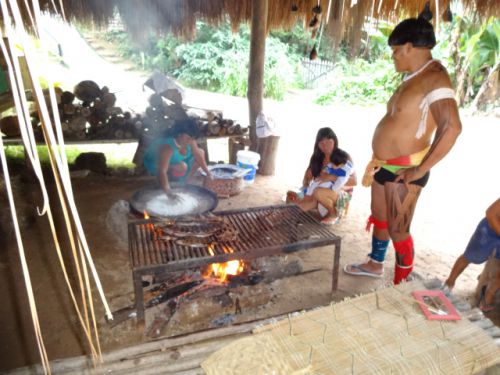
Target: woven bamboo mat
point(383, 332)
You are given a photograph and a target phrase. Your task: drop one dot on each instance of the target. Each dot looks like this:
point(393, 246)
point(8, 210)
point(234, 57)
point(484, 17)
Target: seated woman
point(329, 179)
point(176, 156)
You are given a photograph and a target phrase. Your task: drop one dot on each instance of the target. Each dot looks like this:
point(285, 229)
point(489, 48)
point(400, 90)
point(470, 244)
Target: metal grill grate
point(258, 229)
point(259, 232)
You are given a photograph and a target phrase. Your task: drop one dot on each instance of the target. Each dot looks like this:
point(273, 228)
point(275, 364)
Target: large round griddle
point(194, 200)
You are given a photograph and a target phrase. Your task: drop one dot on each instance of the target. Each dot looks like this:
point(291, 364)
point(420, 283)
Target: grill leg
point(139, 300)
point(336, 266)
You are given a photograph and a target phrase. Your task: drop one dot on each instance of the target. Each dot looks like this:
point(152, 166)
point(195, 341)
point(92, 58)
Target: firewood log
point(173, 95)
point(109, 100)
point(104, 91)
point(77, 123)
point(69, 109)
point(98, 104)
point(114, 111)
point(87, 91)
point(151, 112)
point(175, 112)
point(67, 97)
point(156, 100)
point(86, 112)
point(213, 128)
point(211, 116)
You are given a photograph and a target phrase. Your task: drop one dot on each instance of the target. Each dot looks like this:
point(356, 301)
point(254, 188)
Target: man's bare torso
point(395, 133)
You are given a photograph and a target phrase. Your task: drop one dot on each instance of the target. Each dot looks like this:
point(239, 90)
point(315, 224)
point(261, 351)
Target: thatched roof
point(179, 16)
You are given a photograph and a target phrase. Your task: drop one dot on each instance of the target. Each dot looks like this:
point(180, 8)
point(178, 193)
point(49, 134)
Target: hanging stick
point(328, 11)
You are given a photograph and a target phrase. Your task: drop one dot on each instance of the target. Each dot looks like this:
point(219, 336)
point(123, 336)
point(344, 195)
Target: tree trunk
point(460, 95)
point(256, 68)
point(489, 82)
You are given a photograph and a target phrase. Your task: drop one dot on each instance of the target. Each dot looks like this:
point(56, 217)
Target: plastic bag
point(265, 126)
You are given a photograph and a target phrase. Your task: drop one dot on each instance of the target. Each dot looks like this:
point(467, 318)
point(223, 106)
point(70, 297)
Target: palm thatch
point(180, 16)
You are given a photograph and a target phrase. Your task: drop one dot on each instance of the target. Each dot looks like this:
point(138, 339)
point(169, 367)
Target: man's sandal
point(358, 270)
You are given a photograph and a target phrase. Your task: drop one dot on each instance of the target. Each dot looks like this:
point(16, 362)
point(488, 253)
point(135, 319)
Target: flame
point(222, 270)
point(146, 215)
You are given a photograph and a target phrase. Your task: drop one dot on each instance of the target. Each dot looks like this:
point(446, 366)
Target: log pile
point(161, 114)
point(90, 112)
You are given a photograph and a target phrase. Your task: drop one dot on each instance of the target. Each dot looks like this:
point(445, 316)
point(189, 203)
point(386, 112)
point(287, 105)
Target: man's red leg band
point(376, 223)
point(404, 259)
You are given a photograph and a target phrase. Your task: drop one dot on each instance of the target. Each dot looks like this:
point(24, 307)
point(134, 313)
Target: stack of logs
point(90, 112)
point(160, 116)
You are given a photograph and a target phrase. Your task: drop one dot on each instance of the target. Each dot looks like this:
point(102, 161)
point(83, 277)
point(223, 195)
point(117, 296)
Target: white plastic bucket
point(248, 160)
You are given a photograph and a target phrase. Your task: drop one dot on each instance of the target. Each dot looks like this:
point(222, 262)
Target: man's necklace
point(420, 70)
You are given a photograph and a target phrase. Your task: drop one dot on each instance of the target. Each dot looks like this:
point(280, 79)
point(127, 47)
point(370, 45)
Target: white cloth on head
point(433, 96)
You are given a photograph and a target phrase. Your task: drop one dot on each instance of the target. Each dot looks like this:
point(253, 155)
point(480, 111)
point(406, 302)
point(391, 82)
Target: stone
point(93, 161)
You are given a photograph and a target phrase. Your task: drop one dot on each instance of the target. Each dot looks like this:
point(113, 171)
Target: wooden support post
point(256, 69)
point(267, 149)
point(234, 145)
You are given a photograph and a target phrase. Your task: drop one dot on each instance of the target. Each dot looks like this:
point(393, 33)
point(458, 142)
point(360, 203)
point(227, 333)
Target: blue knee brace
point(379, 249)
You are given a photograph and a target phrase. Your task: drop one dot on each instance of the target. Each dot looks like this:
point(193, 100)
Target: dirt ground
point(95, 195)
point(460, 189)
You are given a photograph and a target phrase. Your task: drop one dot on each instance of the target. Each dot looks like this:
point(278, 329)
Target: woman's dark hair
point(316, 162)
point(188, 126)
point(417, 31)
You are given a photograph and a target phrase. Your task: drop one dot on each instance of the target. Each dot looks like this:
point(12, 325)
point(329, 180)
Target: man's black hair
point(417, 31)
point(339, 157)
point(188, 126)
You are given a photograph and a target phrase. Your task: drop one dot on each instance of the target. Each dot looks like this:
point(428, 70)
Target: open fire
point(194, 272)
point(219, 271)
point(222, 270)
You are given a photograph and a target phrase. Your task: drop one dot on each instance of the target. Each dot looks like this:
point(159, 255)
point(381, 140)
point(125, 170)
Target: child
point(334, 175)
point(484, 241)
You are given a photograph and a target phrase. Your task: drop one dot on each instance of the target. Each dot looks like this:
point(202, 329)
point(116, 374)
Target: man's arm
point(493, 216)
point(165, 154)
point(449, 127)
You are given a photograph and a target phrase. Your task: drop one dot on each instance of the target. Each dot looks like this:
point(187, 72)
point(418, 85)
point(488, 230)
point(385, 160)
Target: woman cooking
point(176, 156)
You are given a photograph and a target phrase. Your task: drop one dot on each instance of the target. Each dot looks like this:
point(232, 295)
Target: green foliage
point(114, 158)
point(361, 82)
point(216, 60)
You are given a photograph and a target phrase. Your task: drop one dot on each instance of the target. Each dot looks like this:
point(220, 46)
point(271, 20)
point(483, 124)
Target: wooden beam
point(256, 67)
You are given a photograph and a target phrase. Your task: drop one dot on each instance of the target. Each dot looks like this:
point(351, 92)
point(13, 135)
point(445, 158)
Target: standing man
point(404, 149)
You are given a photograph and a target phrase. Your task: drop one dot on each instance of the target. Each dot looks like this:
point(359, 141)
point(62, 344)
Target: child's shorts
point(482, 244)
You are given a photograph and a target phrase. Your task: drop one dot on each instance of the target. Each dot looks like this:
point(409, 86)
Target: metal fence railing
point(313, 70)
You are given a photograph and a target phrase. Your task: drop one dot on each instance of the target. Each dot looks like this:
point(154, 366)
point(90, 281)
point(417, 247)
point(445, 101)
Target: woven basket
point(224, 188)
